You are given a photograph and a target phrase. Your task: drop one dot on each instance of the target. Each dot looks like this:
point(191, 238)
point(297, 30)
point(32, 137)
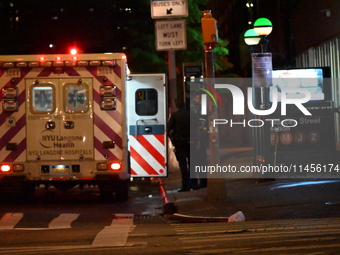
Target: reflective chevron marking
point(147, 155)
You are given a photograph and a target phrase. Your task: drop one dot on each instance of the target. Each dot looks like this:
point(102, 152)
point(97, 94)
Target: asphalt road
point(78, 222)
point(74, 218)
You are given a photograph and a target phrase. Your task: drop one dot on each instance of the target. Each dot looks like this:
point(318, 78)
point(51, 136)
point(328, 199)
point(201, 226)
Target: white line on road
point(117, 233)
point(63, 221)
point(9, 220)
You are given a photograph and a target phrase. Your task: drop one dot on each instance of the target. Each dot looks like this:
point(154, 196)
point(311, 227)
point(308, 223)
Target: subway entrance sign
point(170, 35)
point(312, 140)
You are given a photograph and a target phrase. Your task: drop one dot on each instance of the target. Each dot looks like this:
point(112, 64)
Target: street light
point(251, 37)
point(263, 27)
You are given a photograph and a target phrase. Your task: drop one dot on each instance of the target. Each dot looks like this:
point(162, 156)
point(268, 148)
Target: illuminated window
point(146, 102)
point(42, 99)
point(76, 98)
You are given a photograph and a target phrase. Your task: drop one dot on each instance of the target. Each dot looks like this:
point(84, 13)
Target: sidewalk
point(266, 200)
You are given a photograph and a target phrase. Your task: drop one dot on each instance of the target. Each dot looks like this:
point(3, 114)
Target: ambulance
point(79, 119)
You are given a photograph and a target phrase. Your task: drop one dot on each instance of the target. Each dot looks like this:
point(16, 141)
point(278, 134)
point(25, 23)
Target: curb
point(194, 219)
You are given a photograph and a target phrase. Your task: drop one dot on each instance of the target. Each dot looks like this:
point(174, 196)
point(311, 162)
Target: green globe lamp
point(251, 37)
point(263, 27)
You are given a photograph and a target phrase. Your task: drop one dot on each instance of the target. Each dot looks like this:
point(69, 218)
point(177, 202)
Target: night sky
point(30, 27)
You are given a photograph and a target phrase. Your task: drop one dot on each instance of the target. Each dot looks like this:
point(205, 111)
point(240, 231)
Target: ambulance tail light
point(112, 166)
point(5, 168)
point(115, 166)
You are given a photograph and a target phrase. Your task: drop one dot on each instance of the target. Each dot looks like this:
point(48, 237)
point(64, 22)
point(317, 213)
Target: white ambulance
point(79, 119)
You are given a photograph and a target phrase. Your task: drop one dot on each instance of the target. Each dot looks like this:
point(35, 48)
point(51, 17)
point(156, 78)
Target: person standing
point(178, 129)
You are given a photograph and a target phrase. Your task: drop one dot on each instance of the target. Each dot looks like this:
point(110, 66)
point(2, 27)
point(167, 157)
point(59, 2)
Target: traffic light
point(209, 28)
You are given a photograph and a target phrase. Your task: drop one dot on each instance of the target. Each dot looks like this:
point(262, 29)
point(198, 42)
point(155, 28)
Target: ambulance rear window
point(146, 102)
point(76, 98)
point(42, 99)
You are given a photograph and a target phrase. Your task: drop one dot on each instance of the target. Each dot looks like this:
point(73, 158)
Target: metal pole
point(264, 137)
point(216, 189)
point(172, 80)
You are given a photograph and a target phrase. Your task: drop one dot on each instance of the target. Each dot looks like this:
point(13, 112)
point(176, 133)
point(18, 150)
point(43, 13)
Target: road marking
point(114, 235)
point(117, 233)
point(63, 221)
point(9, 220)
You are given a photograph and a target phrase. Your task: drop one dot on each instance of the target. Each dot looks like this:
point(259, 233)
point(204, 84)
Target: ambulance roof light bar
point(105, 59)
point(52, 57)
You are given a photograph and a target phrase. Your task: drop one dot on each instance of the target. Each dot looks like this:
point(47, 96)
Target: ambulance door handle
point(148, 130)
point(144, 121)
point(68, 124)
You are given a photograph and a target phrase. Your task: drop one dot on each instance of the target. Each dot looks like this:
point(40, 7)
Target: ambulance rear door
point(146, 118)
point(59, 119)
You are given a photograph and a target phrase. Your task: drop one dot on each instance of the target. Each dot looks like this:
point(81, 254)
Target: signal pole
point(216, 189)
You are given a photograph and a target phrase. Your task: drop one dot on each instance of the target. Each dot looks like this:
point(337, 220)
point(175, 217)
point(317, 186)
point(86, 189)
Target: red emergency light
point(73, 51)
point(5, 168)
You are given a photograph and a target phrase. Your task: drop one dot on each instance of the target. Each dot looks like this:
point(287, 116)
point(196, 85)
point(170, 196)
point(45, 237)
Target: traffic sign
point(170, 35)
point(169, 9)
